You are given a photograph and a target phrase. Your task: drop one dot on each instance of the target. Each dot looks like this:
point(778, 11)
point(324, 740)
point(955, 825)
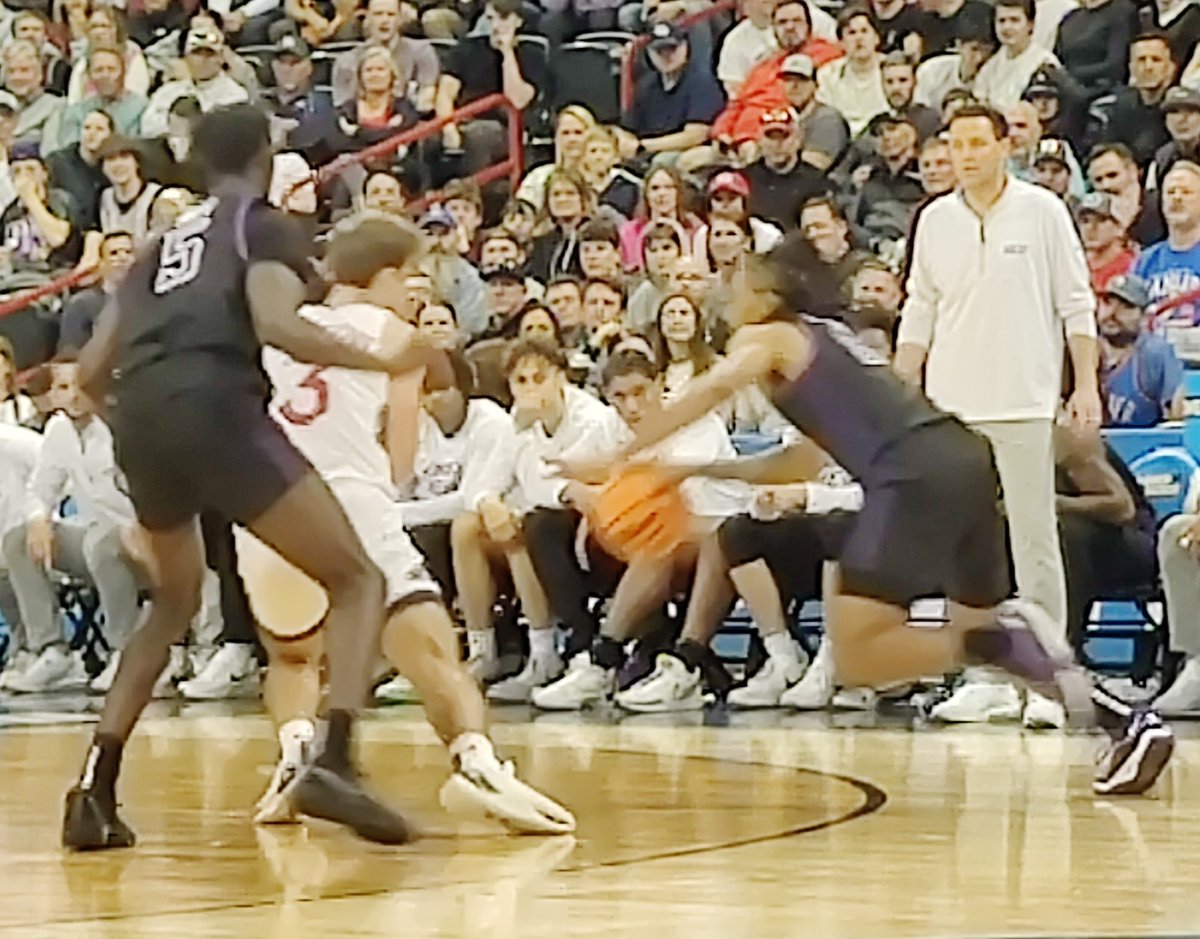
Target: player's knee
point(180, 594)
point(293, 653)
point(466, 531)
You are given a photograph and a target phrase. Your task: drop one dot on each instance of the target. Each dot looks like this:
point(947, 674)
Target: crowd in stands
point(597, 286)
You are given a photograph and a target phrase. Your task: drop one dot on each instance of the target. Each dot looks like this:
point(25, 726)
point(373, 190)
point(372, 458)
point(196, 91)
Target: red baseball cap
point(729, 181)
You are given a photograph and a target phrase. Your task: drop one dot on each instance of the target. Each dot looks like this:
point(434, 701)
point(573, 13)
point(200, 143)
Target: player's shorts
point(290, 605)
point(186, 451)
point(931, 523)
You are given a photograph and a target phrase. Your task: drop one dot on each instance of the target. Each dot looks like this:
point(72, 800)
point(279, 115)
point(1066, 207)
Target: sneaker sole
point(1140, 769)
point(459, 796)
point(1003, 715)
point(662, 707)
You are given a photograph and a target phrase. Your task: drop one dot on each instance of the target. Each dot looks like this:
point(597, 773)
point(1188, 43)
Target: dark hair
point(800, 3)
point(1119, 150)
point(445, 305)
point(700, 352)
point(743, 225)
point(1025, 6)
point(533, 306)
point(627, 362)
point(566, 279)
point(600, 229)
point(850, 13)
point(463, 372)
point(369, 245)
point(113, 236)
point(661, 231)
point(829, 202)
point(112, 124)
point(803, 282)
point(603, 281)
point(532, 348)
point(116, 146)
point(228, 140)
point(507, 7)
point(998, 121)
point(465, 189)
point(1155, 35)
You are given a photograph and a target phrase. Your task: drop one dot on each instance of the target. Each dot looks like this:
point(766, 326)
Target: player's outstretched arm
point(96, 357)
point(799, 462)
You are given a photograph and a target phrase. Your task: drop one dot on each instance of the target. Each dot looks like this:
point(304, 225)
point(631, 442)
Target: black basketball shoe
point(339, 797)
point(91, 823)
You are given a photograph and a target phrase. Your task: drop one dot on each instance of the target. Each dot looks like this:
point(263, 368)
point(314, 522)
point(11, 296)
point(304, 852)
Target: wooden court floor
point(768, 827)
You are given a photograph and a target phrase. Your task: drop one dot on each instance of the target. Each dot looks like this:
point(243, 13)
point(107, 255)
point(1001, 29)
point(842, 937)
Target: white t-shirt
point(1003, 78)
point(451, 473)
point(19, 449)
point(334, 416)
point(1047, 17)
point(858, 97)
point(745, 46)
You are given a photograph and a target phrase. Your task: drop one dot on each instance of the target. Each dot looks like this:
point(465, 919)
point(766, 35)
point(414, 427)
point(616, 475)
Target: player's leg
point(308, 528)
point(91, 820)
point(419, 641)
point(472, 555)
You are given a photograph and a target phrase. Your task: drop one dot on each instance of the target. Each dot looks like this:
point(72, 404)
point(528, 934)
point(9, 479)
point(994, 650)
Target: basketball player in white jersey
point(335, 417)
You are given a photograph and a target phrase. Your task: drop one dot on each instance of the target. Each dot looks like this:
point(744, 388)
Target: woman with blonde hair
point(106, 30)
point(572, 124)
point(379, 109)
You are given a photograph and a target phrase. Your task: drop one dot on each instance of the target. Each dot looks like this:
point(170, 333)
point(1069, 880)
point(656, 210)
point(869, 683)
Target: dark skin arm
point(1103, 495)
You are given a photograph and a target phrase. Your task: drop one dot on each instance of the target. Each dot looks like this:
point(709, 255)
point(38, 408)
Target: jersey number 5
point(318, 401)
point(178, 260)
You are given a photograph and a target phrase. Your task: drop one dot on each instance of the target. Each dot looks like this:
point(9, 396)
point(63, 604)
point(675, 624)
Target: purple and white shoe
point(1134, 763)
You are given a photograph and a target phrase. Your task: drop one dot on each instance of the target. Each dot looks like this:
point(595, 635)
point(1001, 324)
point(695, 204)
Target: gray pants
point(93, 554)
point(1025, 460)
point(1181, 583)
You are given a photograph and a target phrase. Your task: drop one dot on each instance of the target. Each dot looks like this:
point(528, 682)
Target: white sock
point(471, 745)
point(541, 644)
point(782, 648)
point(481, 644)
point(293, 736)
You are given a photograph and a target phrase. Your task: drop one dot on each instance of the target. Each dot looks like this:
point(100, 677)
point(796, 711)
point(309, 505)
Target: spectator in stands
point(1061, 110)
point(876, 287)
point(250, 22)
point(383, 192)
point(680, 345)
point(1053, 170)
point(294, 102)
point(729, 241)
point(464, 201)
point(954, 71)
point(415, 60)
point(568, 206)
point(1029, 149)
point(571, 127)
point(1137, 117)
point(1180, 23)
point(823, 131)
point(554, 421)
point(520, 218)
point(537, 323)
point(76, 170)
point(1109, 252)
point(323, 21)
point(899, 87)
point(1106, 526)
point(1092, 43)
point(780, 181)
point(16, 407)
point(455, 279)
point(825, 226)
point(30, 26)
point(890, 188)
point(485, 65)
point(83, 309)
point(1182, 109)
point(677, 100)
point(944, 21)
point(107, 92)
point(853, 86)
point(125, 205)
point(613, 185)
point(438, 323)
point(39, 228)
point(603, 307)
point(106, 30)
point(765, 88)
point(152, 21)
point(379, 110)
point(500, 246)
point(899, 25)
point(1171, 267)
point(662, 246)
point(505, 285)
point(465, 451)
point(565, 19)
point(937, 172)
point(1003, 78)
point(751, 41)
point(1140, 374)
point(600, 250)
point(729, 197)
point(564, 297)
point(242, 71)
point(39, 112)
point(663, 199)
point(206, 81)
point(1111, 169)
point(76, 460)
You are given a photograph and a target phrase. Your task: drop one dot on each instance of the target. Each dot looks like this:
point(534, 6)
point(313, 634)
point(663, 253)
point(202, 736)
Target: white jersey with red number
point(334, 416)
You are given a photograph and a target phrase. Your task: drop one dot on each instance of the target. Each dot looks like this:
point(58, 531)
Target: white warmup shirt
point(19, 449)
point(79, 462)
point(991, 299)
point(589, 428)
point(452, 473)
point(1003, 78)
point(344, 444)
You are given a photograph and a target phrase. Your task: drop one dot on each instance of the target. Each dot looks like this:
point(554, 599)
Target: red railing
point(630, 53)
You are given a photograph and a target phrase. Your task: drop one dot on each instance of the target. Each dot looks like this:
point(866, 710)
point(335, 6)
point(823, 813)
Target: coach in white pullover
point(998, 278)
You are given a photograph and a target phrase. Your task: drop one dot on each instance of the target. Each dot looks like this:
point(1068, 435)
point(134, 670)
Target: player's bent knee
point(301, 652)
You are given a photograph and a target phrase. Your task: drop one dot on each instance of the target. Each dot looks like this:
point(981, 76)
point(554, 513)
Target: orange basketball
point(640, 511)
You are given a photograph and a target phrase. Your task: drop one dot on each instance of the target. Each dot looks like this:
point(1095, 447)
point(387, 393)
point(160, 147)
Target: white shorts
point(378, 521)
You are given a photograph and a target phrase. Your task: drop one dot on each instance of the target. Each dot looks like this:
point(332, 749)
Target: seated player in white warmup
point(333, 416)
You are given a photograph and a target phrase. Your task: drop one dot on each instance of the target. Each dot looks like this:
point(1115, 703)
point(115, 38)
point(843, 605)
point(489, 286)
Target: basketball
point(287, 602)
point(641, 512)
